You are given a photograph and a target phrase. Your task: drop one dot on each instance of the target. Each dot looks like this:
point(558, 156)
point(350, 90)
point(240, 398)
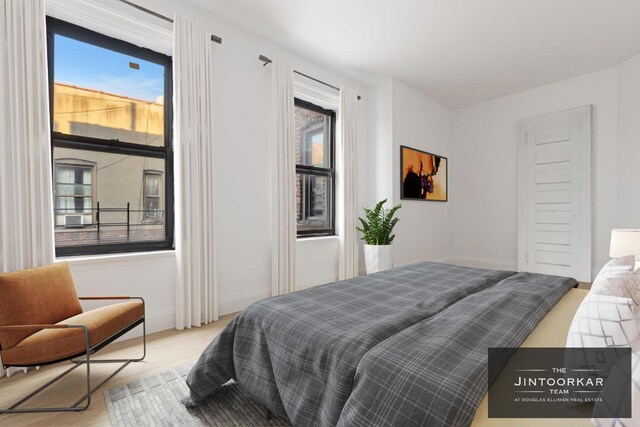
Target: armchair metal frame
point(86, 360)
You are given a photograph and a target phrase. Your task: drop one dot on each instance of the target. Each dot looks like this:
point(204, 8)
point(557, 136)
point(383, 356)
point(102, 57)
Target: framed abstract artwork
point(423, 175)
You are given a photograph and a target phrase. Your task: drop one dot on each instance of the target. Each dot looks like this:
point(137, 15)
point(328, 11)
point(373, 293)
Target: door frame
point(585, 116)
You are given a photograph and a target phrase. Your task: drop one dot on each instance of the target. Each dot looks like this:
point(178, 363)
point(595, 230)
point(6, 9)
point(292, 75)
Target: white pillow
point(615, 267)
point(623, 261)
point(600, 321)
point(603, 321)
point(624, 285)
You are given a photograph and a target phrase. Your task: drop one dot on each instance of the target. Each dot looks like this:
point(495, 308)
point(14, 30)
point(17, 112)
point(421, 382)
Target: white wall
point(424, 230)
point(483, 173)
point(629, 144)
point(150, 276)
point(316, 261)
point(242, 175)
point(401, 115)
point(380, 172)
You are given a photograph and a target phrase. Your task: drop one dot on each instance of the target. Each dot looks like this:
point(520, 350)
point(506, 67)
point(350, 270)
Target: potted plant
point(376, 232)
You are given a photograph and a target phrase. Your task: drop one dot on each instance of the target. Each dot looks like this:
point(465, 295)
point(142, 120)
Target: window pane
point(73, 174)
point(104, 94)
point(313, 202)
point(153, 207)
point(115, 181)
point(313, 138)
point(73, 205)
point(153, 184)
point(73, 190)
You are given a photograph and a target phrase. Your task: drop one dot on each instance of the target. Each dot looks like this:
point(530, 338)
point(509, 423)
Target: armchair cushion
point(50, 345)
point(42, 295)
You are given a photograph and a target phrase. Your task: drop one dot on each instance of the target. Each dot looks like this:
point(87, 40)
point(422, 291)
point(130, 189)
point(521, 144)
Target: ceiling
point(459, 52)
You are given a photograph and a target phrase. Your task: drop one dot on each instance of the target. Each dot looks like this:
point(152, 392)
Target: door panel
point(554, 230)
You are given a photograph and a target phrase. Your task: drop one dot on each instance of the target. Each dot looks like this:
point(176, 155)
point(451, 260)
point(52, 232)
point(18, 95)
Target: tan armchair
point(42, 322)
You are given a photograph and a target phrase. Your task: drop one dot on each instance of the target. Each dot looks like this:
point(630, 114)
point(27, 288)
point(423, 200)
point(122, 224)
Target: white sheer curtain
point(347, 183)
point(196, 291)
point(26, 206)
point(283, 179)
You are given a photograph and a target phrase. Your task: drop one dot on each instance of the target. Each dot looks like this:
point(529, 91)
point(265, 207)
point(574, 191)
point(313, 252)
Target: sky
point(81, 64)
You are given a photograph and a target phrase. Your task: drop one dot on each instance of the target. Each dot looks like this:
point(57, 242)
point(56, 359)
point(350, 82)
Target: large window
point(111, 143)
point(315, 174)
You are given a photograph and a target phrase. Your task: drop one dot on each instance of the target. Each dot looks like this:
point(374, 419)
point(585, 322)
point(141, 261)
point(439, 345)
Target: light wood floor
point(164, 350)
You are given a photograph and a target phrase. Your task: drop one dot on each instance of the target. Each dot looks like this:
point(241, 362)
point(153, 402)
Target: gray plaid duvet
point(406, 346)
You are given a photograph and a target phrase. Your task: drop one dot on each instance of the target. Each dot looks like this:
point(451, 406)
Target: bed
point(550, 332)
point(407, 346)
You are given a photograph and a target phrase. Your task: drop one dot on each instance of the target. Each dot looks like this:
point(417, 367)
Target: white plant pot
point(378, 258)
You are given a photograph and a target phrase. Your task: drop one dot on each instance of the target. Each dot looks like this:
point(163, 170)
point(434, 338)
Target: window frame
point(114, 146)
point(321, 171)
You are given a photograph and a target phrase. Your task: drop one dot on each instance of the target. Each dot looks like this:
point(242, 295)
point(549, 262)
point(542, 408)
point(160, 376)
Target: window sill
point(123, 257)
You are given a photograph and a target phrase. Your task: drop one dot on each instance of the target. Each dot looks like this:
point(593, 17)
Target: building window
point(315, 174)
point(73, 194)
point(111, 143)
point(152, 199)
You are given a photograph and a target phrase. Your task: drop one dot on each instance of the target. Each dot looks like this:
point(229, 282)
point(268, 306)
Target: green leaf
point(377, 225)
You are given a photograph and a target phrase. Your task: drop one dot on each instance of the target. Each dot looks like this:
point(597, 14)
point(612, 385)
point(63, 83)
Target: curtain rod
point(214, 38)
point(268, 61)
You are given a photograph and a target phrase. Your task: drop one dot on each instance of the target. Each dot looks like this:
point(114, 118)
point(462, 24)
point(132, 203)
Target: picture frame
point(424, 176)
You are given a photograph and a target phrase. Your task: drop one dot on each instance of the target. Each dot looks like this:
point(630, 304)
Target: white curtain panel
point(283, 179)
point(26, 205)
point(347, 183)
point(196, 290)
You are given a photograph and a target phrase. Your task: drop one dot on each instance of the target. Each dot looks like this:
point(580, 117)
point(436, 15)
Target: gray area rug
point(156, 401)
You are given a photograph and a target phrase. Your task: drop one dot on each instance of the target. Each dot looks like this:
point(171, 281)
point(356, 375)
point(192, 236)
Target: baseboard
point(164, 318)
point(161, 319)
point(239, 299)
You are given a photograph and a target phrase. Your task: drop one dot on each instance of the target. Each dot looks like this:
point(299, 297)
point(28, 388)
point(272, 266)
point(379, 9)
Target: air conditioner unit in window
point(73, 221)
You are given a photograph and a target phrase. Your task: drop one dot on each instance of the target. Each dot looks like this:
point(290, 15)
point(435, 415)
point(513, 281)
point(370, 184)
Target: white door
point(554, 228)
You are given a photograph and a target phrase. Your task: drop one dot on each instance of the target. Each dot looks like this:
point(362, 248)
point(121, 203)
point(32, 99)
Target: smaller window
point(315, 173)
point(74, 195)
point(152, 197)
